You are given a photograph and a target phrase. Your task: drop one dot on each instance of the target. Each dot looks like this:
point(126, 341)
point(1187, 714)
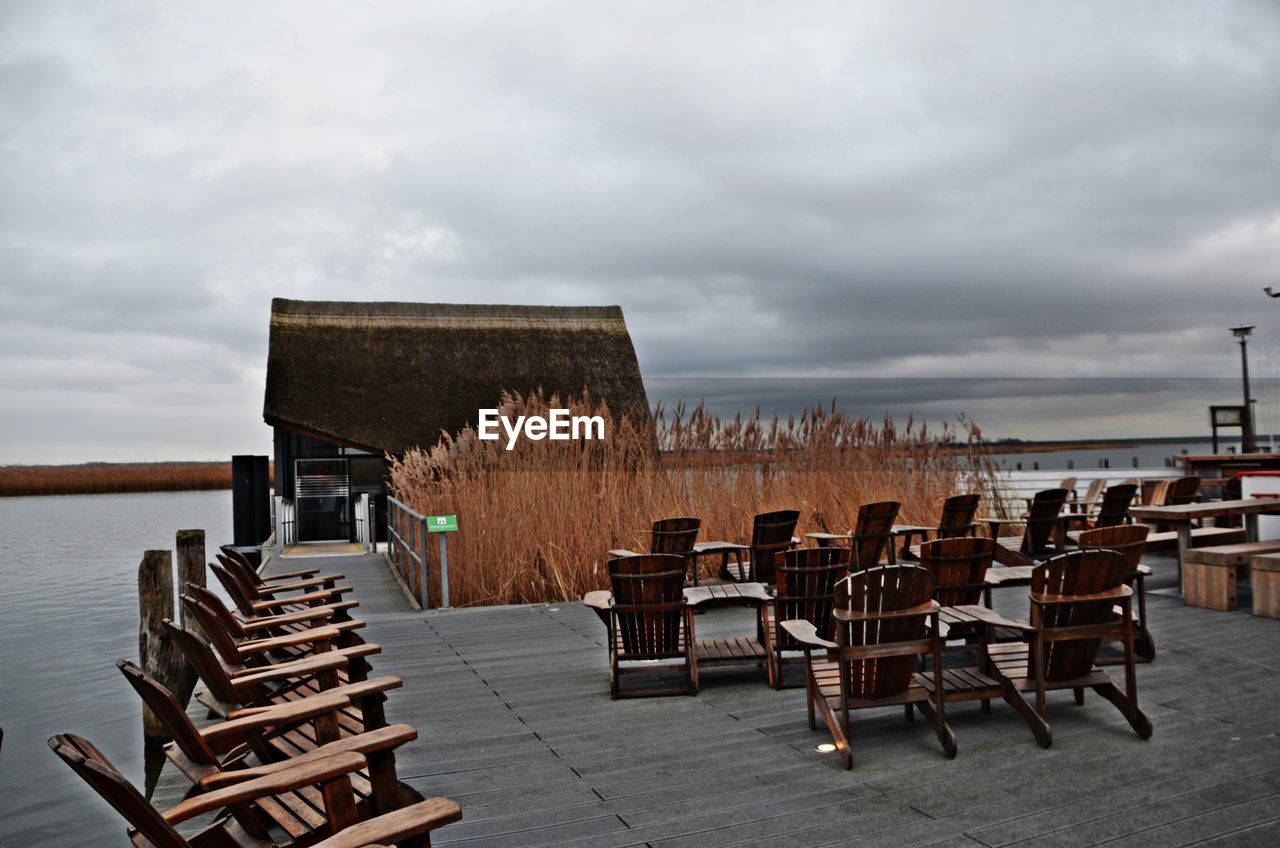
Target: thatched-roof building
point(347, 382)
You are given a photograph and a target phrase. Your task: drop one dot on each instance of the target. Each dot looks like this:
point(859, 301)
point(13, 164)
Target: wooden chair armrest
point(384, 738)
point(287, 713)
point(992, 618)
point(268, 622)
point(298, 585)
point(806, 633)
point(352, 691)
point(324, 595)
point(289, 640)
point(326, 661)
point(600, 599)
point(1118, 592)
point(857, 615)
point(394, 827)
point(300, 574)
point(285, 780)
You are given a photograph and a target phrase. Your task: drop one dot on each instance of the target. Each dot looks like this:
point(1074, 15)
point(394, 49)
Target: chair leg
point(1136, 717)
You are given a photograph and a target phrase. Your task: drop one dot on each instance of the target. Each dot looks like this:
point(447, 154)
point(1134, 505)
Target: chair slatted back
point(223, 642)
point(1093, 494)
point(1128, 539)
point(674, 536)
point(873, 533)
point(1077, 573)
point(202, 658)
point(240, 596)
point(1043, 518)
point(884, 589)
point(959, 567)
point(1183, 490)
point(806, 590)
point(648, 604)
point(216, 604)
point(958, 512)
point(1116, 501)
point(97, 771)
point(771, 534)
point(174, 718)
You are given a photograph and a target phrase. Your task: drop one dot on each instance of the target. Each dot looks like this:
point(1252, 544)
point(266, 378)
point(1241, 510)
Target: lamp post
point(1248, 445)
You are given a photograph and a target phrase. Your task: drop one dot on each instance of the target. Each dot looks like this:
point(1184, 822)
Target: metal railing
point(286, 524)
point(407, 538)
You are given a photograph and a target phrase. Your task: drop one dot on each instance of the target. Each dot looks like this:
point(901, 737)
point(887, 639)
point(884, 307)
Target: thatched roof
point(389, 376)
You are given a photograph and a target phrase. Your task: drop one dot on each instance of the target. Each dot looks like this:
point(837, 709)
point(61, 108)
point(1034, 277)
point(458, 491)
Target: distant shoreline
point(105, 478)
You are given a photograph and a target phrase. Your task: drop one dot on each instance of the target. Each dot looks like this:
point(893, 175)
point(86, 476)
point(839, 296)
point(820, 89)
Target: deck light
point(825, 748)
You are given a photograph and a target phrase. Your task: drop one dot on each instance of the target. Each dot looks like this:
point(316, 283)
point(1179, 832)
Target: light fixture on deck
point(825, 748)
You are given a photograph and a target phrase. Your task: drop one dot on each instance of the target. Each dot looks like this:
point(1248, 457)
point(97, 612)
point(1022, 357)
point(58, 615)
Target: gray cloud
point(999, 190)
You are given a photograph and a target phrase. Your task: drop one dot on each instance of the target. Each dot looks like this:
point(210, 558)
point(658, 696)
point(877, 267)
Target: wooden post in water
point(191, 569)
point(157, 654)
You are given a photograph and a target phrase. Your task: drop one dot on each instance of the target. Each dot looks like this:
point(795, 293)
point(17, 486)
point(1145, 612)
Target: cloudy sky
point(790, 194)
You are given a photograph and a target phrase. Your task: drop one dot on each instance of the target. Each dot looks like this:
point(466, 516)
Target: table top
point(1183, 513)
point(716, 547)
point(727, 594)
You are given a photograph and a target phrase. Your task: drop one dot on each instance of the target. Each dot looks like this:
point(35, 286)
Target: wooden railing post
point(157, 654)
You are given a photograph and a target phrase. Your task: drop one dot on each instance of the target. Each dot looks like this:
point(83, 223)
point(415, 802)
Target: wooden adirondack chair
point(959, 566)
point(771, 534)
point(884, 619)
point(649, 620)
point(670, 536)
point(230, 687)
point(274, 738)
point(211, 606)
point(237, 823)
point(252, 601)
point(1131, 541)
point(805, 591)
point(1073, 601)
point(1042, 536)
point(1112, 509)
point(958, 512)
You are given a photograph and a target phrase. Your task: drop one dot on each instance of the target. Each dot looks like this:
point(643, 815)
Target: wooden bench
point(1209, 574)
point(1265, 573)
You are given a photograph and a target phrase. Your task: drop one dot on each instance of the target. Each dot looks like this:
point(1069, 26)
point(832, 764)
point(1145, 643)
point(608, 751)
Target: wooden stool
point(1266, 585)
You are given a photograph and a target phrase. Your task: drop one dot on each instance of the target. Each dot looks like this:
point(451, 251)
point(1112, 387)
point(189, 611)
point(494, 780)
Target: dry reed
point(535, 522)
point(107, 478)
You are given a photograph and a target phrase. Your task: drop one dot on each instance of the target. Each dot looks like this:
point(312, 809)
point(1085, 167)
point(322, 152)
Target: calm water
point(68, 610)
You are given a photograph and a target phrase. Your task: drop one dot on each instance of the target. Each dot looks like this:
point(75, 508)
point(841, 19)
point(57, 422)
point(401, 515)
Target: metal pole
point(422, 539)
point(444, 571)
point(1250, 445)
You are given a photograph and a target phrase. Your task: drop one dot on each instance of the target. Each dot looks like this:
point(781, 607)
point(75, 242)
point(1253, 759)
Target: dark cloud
point(921, 193)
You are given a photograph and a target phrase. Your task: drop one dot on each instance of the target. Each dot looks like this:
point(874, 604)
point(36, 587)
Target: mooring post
point(191, 569)
point(157, 654)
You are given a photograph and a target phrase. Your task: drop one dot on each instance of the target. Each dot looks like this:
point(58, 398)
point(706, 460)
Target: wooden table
point(1182, 516)
point(740, 649)
point(725, 549)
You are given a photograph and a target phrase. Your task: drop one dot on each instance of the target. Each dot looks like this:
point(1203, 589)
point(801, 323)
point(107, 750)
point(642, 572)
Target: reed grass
point(535, 522)
point(109, 478)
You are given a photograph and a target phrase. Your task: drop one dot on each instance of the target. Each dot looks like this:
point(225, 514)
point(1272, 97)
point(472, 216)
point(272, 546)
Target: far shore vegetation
point(100, 478)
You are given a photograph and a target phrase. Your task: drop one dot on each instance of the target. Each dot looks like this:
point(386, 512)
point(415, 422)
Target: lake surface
point(68, 611)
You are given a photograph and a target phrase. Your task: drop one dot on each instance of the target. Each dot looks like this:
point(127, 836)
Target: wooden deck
point(516, 725)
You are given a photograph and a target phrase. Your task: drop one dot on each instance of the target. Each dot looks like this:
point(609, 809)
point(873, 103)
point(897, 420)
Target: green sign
point(442, 524)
